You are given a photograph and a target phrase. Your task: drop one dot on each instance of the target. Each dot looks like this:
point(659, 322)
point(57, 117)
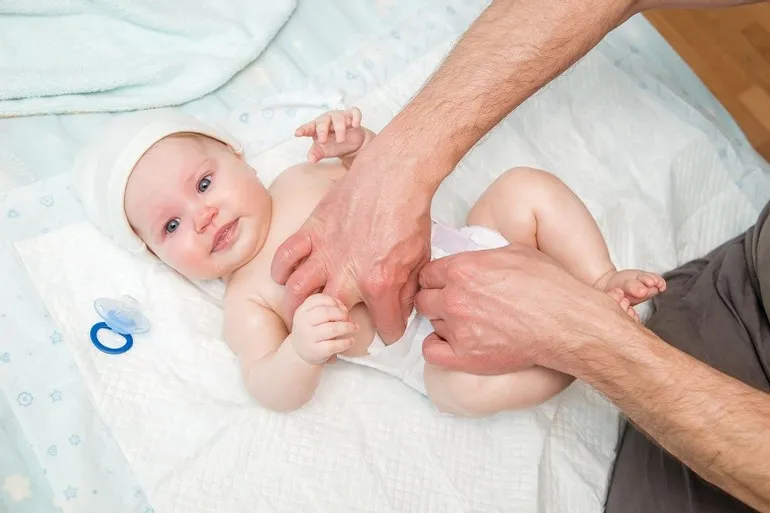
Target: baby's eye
point(204, 183)
point(172, 225)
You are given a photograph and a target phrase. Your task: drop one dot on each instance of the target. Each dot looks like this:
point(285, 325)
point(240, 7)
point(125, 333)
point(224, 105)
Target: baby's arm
point(281, 370)
point(337, 133)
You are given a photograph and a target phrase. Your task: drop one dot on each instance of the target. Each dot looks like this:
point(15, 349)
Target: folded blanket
point(111, 55)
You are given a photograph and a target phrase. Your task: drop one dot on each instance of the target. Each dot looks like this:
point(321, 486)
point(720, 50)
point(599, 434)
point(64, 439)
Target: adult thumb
point(438, 352)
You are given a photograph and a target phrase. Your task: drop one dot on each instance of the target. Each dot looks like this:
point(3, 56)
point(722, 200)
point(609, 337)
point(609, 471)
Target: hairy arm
point(511, 51)
point(274, 374)
point(716, 425)
point(348, 158)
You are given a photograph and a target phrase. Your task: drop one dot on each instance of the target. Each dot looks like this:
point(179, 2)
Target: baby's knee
point(525, 179)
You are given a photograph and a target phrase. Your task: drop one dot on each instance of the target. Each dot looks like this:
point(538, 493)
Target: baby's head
point(164, 181)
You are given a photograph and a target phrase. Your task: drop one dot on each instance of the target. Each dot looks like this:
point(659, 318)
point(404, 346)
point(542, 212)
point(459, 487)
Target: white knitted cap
point(102, 168)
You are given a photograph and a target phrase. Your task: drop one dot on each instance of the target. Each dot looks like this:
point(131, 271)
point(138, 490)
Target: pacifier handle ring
point(109, 350)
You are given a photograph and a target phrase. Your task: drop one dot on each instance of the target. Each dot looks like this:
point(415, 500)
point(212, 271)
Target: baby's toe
point(637, 289)
point(616, 294)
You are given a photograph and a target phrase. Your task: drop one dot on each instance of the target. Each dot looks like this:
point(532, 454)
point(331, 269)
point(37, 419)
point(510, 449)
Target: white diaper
point(403, 359)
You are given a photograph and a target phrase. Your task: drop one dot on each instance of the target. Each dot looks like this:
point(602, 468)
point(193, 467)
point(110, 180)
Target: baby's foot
point(638, 286)
point(625, 304)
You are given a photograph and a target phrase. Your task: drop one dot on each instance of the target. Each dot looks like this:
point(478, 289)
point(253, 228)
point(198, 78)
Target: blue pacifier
point(121, 316)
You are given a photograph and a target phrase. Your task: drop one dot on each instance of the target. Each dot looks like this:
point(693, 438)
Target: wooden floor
point(729, 49)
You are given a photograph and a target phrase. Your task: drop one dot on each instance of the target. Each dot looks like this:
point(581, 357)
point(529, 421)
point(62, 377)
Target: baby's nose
point(204, 218)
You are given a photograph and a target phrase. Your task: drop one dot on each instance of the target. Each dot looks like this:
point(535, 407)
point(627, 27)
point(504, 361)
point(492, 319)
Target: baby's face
point(198, 206)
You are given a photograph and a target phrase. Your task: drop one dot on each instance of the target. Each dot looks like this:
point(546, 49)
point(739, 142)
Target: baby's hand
point(347, 130)
point(321, 329)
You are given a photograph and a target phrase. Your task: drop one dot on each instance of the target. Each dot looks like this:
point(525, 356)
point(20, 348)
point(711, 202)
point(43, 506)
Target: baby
point(165, 182)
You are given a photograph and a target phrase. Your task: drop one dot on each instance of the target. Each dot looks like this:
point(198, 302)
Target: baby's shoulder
point(244, 288)
point(307, 174)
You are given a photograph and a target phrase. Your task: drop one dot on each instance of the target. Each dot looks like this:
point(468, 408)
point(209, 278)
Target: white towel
point(112, 55)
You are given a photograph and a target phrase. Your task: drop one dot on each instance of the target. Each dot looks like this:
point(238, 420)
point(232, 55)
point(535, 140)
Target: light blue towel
point(60, 56)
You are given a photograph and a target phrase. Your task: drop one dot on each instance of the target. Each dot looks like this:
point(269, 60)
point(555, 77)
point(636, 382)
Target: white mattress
point(168, 427)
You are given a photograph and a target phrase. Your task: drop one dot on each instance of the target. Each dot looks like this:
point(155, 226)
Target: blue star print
point(25, 399)
point(55, 337)
point(55, 396)
point(5, 358)
point(53, 451)
point(70, 493)
point(74, 440)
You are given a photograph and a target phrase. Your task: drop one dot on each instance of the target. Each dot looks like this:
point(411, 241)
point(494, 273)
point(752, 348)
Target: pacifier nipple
point(122, 315)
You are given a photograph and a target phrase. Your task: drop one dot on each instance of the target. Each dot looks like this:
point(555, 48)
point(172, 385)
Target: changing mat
point(663, 190)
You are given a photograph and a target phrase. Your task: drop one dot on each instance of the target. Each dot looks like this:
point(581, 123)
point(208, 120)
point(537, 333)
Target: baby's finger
point(332, 330)
point(315, 153)
point(306, 130)
point(318, 300)
point(356, 117)
point(324, 313)
point(333, 347)
point(322, 128)
point(340, 126)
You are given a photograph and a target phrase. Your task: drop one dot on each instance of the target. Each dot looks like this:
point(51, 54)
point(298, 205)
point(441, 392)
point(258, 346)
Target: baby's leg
point(535, 207)
point(531, 207)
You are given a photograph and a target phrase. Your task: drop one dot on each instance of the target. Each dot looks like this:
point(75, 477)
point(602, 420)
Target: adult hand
point(365, 242)
point(501, 310)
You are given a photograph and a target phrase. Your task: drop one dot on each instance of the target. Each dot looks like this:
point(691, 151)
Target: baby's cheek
point(186, 259)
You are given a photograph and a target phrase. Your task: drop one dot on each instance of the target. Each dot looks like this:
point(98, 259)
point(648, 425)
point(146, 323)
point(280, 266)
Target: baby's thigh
point(508, 205)
point(470, 395)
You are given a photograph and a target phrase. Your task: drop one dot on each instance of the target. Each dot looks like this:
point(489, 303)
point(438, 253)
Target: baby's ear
point(238, 152)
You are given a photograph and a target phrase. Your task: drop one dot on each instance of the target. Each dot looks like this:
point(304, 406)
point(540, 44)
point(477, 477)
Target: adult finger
point(408, 291)
point(288, 256)
point(440, 328)
point(339, 288)
point(438, 352)
point(385, 308)
point(429, 303)
point(433, 275)
point(306, 280)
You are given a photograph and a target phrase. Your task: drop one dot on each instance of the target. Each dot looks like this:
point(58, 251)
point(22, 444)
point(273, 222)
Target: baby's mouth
point(224, 236)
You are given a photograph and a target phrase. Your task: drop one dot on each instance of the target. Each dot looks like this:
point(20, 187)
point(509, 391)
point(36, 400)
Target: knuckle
point(382, 278)
point(454, 306)
point(456, 271)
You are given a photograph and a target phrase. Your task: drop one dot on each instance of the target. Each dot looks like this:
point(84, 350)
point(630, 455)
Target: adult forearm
point(282, 381)
point(512, 50)
point(644, 5)
point(716, 425)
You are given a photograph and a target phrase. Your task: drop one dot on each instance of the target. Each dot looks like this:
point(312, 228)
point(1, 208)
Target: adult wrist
point(420, 159)
point(597, 349)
